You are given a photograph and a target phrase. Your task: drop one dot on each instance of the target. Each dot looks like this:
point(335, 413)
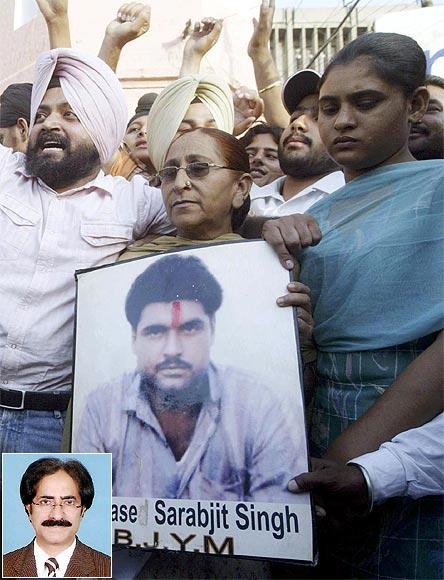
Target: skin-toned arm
point(265, 70)
point(55, 13)
point(247, 105)
point(132, 21)
point(415, 398)
point(204, 36)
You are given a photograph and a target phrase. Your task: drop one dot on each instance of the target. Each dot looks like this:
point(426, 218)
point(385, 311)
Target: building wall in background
point(152, 61)
point(299, 34)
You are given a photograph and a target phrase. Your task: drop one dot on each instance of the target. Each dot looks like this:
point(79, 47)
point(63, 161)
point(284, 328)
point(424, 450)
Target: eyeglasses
point(195, 170)
point(49, 504)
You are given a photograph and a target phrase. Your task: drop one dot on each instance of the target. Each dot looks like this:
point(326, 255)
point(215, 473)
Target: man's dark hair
point(395, 58)
point(173, 278)
point(54, 83)
point(50, 465)
point(261, 129)
point(15, 103)
point(435, 81)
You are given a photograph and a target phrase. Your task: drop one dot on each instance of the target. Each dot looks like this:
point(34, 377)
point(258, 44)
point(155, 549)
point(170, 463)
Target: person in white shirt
point(59, 213)
point(56, 494)
point(309, 173)
point(410, 465)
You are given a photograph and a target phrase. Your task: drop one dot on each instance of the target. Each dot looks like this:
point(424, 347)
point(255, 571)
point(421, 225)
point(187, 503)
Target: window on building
point(297, 51)
point(282, 52)
point(309, 38)
point(24, 11)
point(322, 36)
point(346, 35)
point(334, 43)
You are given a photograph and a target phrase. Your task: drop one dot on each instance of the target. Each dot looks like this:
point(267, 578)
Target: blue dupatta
point(376, 277)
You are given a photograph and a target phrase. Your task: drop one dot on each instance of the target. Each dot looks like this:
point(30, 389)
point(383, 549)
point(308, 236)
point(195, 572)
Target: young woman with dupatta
point(376, 290)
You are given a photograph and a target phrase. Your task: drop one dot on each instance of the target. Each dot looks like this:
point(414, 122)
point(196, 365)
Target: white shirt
point(411, 464)
point(62, 559)
point(268, 201)
point(44, 238)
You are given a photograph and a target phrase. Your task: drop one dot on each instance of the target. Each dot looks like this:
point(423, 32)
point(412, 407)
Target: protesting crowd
point(340, 172)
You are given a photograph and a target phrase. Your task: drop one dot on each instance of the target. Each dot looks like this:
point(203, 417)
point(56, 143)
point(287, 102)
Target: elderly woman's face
point(200, 207)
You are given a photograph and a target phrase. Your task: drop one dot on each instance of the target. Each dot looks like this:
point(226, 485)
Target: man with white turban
point(59, 213)
point(190, 102)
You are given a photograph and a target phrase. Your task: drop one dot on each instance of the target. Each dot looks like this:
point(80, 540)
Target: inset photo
point(56, 518)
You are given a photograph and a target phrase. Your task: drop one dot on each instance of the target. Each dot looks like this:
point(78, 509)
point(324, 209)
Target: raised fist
point(204, 36)
point(133, 20)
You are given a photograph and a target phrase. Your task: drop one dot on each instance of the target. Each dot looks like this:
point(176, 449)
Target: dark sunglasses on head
point(194, 170)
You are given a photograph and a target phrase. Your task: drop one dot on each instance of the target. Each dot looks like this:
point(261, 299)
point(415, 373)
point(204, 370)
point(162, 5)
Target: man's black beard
point(309, 165)
point(430, 149)
point(196, 391)
point(74, 165)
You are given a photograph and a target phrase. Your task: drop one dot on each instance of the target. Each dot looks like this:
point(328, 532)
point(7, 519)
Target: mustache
point(419, 128)
point(62, 523)
point(301, 137)
point(173, 362)
point(46, 136)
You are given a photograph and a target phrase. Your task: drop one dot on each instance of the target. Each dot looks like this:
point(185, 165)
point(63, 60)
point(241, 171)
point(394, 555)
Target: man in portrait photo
point(55, 494)
point(180, 425)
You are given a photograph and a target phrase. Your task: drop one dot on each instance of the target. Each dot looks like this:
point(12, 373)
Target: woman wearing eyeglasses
point(205, 185)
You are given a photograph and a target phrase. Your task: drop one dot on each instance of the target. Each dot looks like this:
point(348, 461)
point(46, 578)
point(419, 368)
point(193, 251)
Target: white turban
point(92, 90)
point(173, 102)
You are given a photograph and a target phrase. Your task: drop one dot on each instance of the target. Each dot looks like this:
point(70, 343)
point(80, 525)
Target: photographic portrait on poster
point(187, 371)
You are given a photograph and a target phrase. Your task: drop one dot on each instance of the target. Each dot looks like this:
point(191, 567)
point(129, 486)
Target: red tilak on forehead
point(175, 314)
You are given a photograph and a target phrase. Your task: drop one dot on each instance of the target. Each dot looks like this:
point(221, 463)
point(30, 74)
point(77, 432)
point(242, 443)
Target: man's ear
point(242, 190)
point(418, 104)
point(23, 129)
point(28, 511)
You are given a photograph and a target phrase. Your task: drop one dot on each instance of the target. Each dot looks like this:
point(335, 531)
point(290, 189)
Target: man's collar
point(64, 556)
point(327, 184)
point(272, 189)
point(330, 182)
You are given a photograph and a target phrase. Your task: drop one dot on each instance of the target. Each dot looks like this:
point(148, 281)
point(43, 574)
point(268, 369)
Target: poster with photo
point(56, 504)
point(188, 372)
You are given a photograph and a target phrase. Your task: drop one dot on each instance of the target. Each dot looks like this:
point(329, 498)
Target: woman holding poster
point(207, 436)
point(377, 294)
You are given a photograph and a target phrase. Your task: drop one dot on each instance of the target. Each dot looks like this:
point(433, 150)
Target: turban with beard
point(91, 89)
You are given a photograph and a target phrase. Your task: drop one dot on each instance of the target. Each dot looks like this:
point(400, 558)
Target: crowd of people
point(342, 173)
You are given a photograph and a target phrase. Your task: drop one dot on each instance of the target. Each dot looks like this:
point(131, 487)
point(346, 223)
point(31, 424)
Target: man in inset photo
point(56, 494)
point(181, 426)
